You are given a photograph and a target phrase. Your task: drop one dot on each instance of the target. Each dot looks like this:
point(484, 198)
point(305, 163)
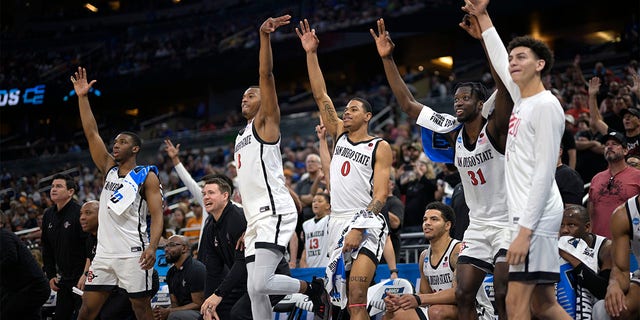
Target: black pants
point(237, 305)
point(25, 304)
point(67, 302)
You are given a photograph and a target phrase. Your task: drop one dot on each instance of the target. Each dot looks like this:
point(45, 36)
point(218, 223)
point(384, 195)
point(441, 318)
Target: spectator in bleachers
point(613, 186)
point(629, 117)
point(634, 161)
point(194, 222)
point(178, 220)
point(419, 189)
point(569, 182)
point(393, 212)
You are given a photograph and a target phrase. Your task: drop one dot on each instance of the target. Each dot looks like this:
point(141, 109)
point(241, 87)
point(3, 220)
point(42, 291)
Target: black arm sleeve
point(238, 273)
point(595, 283)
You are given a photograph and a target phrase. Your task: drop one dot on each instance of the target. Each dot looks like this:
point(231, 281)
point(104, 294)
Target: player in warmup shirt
point(359, 175)
point(270, 211)
point(124, 255)
point(479, 156)
point(623, 294)
point(436, 297)
point(533, 198)
point(316, 233)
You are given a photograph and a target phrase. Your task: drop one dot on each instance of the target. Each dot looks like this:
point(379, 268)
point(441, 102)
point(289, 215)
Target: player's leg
point(519, 300)
point(469, 278)
point(413, 314)
point(142, 307)
point(138, 283)
point(443, 312)
point(92, 302)
point(101, 280)
point(632, 302)
point(544, 304)
point(500, 282)
point(362, 272)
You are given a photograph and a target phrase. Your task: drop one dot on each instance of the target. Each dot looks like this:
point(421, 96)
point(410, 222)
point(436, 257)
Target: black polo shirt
point(63, 242)
point(185, 280)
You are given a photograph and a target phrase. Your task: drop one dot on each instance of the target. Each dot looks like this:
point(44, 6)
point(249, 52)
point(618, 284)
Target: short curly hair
point(539, 48)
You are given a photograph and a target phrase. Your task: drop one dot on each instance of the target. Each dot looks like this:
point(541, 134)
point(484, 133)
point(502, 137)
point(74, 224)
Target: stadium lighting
point(91, 7)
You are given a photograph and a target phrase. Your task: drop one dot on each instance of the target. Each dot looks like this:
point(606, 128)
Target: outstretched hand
point(475, 7)
point(80, 84)
point(383, 40)
point(270, 25)
point(471, 25)
point(635, 88)
point(172, 151)
point(307, 36)
point(594, 86)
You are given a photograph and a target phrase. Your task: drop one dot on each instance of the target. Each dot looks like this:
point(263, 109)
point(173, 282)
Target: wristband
point(418, 299)
point(86, 273)
point(393, 270)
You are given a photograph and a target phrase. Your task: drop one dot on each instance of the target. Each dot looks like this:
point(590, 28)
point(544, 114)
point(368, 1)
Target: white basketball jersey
point(633, 210)
point(260, 176)
point(440, 275)
point(352, 175)
point(482, 174)
point(316, 235)
point(124, 235)
point(584, 298)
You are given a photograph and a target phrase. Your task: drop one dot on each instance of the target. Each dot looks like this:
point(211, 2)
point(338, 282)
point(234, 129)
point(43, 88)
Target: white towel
point(124, 196)
point(579, 249)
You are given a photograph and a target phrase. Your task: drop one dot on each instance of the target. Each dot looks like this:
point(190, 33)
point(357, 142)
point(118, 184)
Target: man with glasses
point(613, 186)
point(186, 282)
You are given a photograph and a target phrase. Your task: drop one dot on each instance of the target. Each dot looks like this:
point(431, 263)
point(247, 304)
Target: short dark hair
point(477, 88)
point(365, 104)
point(326, 196)
point(220, 176)
point(136, 139)
point(446, 211)
point(581, 211)
point(539, 48)
point(222, 183)
point(71, 184)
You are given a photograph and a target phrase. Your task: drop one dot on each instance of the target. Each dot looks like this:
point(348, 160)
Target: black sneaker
point(320, 298)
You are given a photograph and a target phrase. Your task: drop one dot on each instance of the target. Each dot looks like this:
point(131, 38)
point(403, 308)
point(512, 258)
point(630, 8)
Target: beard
point(172, 258)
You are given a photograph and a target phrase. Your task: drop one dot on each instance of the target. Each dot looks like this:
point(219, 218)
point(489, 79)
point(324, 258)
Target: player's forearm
point(399, 88)
point(189, 182)
point(447, 296)
point(266, 57)
point(89, 124)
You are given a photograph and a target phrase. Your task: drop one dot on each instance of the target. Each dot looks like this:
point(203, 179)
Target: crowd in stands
point(171, 42)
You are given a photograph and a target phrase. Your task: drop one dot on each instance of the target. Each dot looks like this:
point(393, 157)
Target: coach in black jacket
point(63, 245)
point(226, 282)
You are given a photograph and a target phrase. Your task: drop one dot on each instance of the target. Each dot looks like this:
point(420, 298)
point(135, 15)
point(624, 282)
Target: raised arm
point(594, 113)
point(496, 51)
point(385, 49)
point(325, 153)
point(267, 119)
point(328, 113)
point(191, 184)
point(498, 125)
point(101, 157)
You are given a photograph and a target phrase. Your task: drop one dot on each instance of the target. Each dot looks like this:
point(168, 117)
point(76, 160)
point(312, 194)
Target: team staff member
point(186, 282)
point(63, 245)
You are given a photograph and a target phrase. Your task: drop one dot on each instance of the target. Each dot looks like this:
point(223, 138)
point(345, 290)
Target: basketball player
point(479, 156)
point(316, 233)
point(589, 255)
point(270, 211)
point(436, 298)
point(535, 206)
point(125, 255)
point(359, 176)
point(623, 294)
